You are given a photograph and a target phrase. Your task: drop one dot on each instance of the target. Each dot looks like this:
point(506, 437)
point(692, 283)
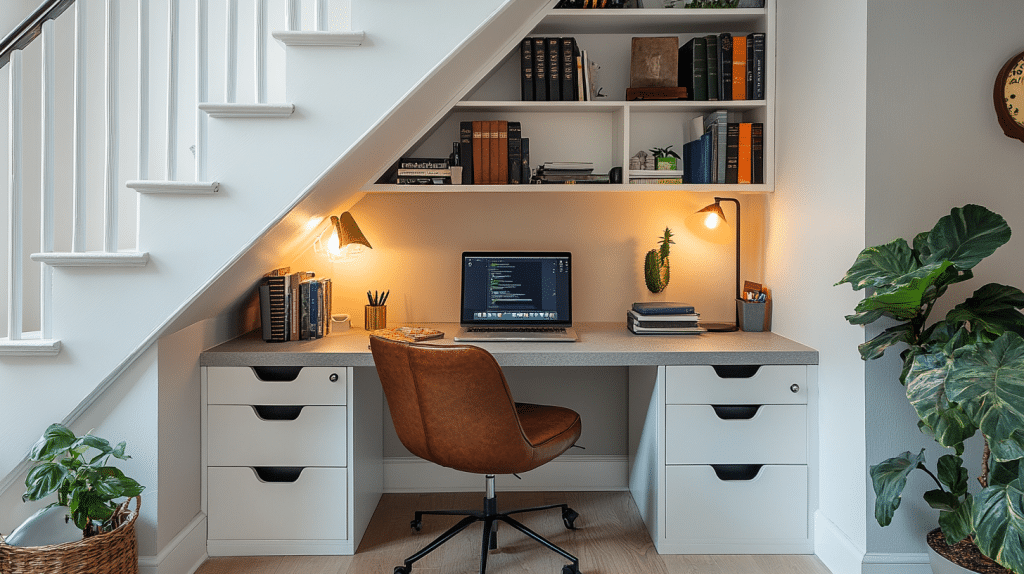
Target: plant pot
point(961, 558)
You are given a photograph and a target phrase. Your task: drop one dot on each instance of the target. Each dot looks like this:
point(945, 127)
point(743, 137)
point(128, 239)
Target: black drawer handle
point(276, 374)
point(737, 471)
point(277, 412)
point(735, 412)
point(736, 371)
point(277, 473)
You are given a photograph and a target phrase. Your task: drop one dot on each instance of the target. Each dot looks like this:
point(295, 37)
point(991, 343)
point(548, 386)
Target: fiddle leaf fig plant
point(84, 484)
point(963, 373)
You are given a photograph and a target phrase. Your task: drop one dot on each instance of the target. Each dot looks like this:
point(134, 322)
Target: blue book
point(704, 159)
point(663, 308)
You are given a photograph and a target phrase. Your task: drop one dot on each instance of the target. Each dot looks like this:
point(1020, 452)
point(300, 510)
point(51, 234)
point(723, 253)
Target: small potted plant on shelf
point(963, 374)
point(76, 469)
point(665, 158)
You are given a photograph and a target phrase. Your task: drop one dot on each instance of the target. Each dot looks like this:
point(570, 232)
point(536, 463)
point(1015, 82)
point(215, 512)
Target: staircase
point(162, 153)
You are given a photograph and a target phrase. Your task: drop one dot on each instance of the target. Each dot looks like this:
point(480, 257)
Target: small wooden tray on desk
point(656, 93)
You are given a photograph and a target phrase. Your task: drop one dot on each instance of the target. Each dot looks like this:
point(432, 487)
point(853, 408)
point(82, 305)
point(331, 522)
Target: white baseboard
point(567, 472)
point(876, 563)
point(182, 555)
point(834, 548)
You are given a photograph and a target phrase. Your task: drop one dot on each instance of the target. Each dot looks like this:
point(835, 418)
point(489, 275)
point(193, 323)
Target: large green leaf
point(905, 295)
point(880, 266)
point(43, 480)
point(993, 309)
point(55, 441)
point(958, 524)
point(999, 524)
point(888, 478)
point(965, 236)
point(987, 380)
point(902, 333)
point(926, 390)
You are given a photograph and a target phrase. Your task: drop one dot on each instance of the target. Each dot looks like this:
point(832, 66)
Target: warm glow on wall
point(346, 240)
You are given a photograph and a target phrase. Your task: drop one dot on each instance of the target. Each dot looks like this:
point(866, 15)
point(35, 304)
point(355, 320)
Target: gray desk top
point(600, 344)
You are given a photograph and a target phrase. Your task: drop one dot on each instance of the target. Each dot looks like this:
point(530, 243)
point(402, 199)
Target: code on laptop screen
point(521, 288)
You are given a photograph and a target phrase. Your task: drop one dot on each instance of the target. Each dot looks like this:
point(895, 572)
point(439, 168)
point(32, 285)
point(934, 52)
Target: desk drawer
point(703, 507)
point(774, 434)
point(244, 507)
point(277, 385)
point(287, 436)
point(702, 385)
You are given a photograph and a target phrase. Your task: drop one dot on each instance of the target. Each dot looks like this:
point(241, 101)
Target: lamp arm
point(737, 282)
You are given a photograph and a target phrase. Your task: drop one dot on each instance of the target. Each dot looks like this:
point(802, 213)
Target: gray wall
point(14, 11)
point(933, 144)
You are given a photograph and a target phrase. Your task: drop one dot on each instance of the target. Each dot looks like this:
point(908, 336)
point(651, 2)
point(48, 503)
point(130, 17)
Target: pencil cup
point(376, 317)
point(751, 315)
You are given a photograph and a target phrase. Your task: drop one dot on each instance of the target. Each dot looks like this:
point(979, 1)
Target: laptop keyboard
point(516, 329)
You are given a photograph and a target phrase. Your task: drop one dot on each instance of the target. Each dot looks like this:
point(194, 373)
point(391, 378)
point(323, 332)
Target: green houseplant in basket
point(963, 373)
point(76, 470)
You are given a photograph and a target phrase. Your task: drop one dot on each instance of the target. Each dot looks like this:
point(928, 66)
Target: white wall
point(817, 227)
point(933, 144)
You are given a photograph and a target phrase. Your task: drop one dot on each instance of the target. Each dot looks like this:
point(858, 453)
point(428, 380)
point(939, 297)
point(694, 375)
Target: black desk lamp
point(703, 224)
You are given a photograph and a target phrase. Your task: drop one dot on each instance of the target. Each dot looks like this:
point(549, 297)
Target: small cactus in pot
point(656, 268)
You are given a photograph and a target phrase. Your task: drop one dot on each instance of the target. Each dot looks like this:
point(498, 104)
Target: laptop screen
point(517, 288)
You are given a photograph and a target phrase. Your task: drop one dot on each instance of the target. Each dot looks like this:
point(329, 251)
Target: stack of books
point(663, 318)
point(568, 172)
point(294, 306)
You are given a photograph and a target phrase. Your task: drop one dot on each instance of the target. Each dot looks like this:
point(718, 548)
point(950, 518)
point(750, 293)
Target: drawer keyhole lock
point(794, 388)
point(334, 378)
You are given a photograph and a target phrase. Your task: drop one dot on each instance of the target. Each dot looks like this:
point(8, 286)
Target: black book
point(526, 66)
point(524, 171)
point(515, 153)
point(757, 152)
point(756, 65)
point(568, 55)
point(725, 66)
point(274, 308)
point(693, 69)
point(732, 153)
point(554, 69)
point(466, 151)
point(540, 70)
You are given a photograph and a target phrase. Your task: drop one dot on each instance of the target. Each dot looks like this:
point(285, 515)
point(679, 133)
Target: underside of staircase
point(258, 186)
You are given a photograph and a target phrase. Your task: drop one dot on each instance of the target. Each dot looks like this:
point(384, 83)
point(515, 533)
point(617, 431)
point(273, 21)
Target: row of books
point(294, 306)
point(568, 172)
point(493, 152)
point(726, 152)
point(663, 318)
point(555, 69)
point(723, 67)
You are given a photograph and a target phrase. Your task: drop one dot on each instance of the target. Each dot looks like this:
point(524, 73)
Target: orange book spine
point(739, 67)
point(485, 152)
point(502, 175)
point(744, 173)
point(478, 153)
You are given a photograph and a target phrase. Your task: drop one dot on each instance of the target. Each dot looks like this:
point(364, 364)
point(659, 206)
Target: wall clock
point(1008, 96)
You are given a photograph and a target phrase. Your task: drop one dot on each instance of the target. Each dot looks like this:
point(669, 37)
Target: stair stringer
point(108, 317)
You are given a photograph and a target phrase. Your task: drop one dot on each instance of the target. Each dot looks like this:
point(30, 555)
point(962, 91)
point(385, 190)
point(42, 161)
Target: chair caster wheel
point(569, 517)
point(416, 525)
point(567, 569)
point(405, 570)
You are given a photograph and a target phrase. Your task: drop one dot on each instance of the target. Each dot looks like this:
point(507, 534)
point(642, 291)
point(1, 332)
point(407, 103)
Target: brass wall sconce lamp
point(709, 223)
point(346, 239)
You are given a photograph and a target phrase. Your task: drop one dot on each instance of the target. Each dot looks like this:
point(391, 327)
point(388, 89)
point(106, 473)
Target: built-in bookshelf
point(609, 130)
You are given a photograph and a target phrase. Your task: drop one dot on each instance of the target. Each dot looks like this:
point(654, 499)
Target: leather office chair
point(451, 405)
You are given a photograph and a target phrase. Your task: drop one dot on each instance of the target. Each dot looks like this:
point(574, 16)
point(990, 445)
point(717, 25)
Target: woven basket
point(113, 552)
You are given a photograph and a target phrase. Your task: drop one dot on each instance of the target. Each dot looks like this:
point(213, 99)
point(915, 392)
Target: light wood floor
point(610, 539)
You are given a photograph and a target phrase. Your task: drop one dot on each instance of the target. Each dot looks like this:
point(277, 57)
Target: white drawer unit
point(734, 458)
point(279, 448)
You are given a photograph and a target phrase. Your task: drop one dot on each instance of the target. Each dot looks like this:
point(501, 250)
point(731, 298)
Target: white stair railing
point(70, 132)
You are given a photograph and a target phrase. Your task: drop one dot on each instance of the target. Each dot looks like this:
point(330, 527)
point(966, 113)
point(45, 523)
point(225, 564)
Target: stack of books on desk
point(663, 318)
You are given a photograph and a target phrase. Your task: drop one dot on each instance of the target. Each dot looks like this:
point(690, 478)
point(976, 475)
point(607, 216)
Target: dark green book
point(712, 51)
point(693, 69)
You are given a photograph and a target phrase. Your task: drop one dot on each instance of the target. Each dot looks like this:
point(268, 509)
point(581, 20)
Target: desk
point(719, 460)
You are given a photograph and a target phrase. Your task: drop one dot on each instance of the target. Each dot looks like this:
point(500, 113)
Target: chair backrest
point(451, 405)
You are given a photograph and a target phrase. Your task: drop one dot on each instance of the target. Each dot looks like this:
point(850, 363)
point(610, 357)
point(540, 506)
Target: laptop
point(521, 296)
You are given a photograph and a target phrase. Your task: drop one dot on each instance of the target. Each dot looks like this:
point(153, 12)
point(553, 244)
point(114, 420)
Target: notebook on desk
point(516, 296)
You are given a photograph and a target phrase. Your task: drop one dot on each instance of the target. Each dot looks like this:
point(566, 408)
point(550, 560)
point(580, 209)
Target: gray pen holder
point(751, 315)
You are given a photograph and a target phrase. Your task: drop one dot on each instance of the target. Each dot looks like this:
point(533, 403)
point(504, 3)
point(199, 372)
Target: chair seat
point(549, 429)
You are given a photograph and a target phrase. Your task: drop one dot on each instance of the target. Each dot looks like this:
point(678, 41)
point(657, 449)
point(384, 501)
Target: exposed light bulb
point(712, 220)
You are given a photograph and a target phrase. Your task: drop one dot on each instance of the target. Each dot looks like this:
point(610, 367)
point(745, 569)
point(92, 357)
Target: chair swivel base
point(489, 516)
